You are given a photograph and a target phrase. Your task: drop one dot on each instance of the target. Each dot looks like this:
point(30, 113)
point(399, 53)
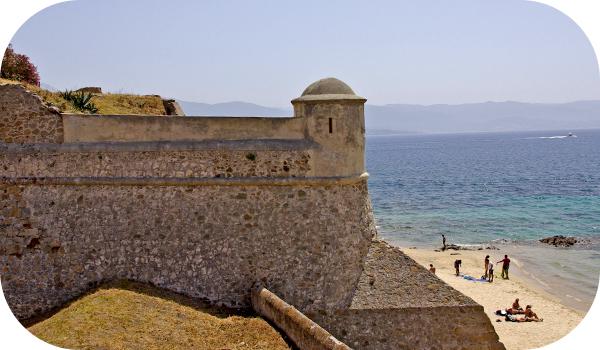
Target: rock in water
point(559, 240)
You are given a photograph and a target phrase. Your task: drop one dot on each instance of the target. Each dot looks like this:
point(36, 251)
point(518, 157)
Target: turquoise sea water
point(500, 188)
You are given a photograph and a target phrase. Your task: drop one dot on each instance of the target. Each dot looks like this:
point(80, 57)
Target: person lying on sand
point(526, 319)
point(512, 311)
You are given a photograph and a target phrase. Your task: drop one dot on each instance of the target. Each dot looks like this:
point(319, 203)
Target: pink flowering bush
point(17, 66)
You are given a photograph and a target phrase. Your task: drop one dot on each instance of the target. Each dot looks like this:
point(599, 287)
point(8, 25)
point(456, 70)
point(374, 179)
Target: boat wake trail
point(553, 137)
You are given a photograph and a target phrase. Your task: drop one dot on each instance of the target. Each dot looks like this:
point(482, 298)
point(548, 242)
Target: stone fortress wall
point(208, 207)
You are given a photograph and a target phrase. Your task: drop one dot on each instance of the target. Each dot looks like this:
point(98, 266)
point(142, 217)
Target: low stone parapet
point(304, 332)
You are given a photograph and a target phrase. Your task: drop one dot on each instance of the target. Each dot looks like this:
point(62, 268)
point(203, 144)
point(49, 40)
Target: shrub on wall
point(80, 100)
point(17, 66)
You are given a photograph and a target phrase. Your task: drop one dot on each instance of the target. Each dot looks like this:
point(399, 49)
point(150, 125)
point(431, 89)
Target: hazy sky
point(267, 52)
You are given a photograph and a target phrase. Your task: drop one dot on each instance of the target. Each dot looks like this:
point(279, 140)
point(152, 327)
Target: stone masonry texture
point(211, 242)
point(206, 163)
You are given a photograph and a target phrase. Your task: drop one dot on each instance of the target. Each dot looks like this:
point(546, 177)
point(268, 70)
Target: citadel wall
point(207, 208)
point(202, 206)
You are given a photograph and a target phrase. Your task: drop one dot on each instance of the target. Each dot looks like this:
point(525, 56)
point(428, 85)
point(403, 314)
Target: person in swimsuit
point(512, 311)
point(486, 265)
point(505, 265)
point(516, 305)
point(530, 316)
point(457, 266)
point(431, 269)
point(491, 272)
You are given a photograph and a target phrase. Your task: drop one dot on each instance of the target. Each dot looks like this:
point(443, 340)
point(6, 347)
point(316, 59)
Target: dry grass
point(133, 316)
point(128, 104)
point(106, 103)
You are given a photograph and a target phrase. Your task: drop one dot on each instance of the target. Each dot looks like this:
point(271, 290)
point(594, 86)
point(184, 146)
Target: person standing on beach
point(491, 272)
point(505, 265)
point(486, 265)
point(457, 266)
point(443, 242)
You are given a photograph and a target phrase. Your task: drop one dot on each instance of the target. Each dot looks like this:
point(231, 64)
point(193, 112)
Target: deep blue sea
point(499, 188)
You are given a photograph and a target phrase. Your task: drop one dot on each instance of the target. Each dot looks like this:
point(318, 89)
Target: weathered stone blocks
point(24, 118)
point(152, 163)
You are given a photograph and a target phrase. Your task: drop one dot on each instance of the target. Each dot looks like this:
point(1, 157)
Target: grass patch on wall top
point(127, 315)
point(107, 103)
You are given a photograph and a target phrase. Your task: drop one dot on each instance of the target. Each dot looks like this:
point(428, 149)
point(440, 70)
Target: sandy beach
point(559, 319)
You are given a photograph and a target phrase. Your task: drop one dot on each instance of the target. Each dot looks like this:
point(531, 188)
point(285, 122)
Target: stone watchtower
point(335, 119)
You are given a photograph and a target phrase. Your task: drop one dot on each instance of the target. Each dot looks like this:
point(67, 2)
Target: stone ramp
point(398, 304)
point(391, 279)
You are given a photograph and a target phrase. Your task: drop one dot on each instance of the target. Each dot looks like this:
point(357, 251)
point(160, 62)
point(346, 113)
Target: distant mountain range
point(48, 87)
point(488, 116)
point(472, 117)
point(232, 109)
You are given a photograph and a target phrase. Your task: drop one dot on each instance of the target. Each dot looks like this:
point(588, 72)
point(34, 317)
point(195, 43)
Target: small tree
point(17, 67)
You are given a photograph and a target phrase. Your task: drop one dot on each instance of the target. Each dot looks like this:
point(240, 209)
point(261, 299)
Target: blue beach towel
point(471, 278)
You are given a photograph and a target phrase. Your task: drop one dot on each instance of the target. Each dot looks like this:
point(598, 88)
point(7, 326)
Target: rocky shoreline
point(564, 241)
point(467, 247)
point(559, 240)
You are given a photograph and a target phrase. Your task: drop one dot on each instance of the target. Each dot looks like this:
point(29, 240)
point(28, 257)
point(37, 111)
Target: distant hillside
point(489, 116)
point(232, 109)
point(48, 87)
point(407, 119)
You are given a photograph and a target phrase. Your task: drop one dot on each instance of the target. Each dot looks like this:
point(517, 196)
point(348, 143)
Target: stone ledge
point(158, 146)
point(189, 118)
point(149, 181)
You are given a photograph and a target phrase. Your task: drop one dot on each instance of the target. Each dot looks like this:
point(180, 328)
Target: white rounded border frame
point(14, 13)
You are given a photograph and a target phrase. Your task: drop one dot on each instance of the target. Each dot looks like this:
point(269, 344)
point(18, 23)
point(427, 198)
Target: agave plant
point(80, 100)
point(67, 95)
